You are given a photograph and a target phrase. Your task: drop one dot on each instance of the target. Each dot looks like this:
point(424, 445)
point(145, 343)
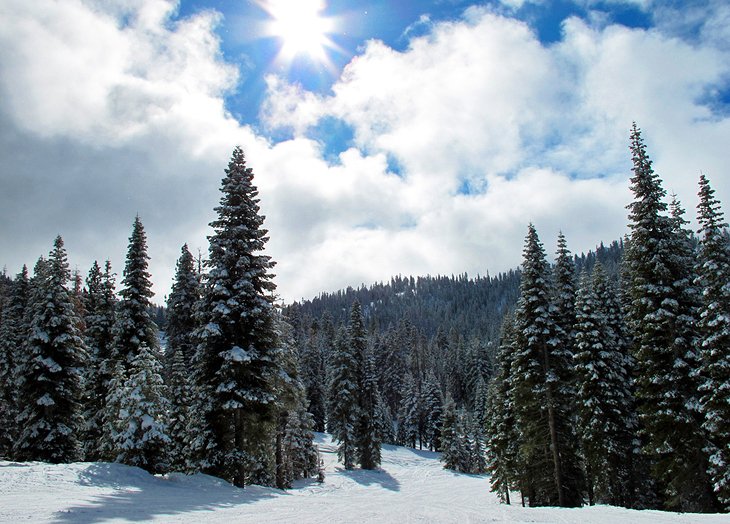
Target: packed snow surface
point(412, 486)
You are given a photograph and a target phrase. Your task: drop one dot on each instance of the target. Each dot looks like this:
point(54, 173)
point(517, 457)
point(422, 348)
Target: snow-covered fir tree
point(384, 419)
point(368, 431)
point(296, 456)
point(606, 423)
point(143, 439)
point(133, 327)
point(391, 368)
point(180, 334)
point(14, 332)
point(99, 302)
point(111, 419)
point(714, 329)
point(344, 407)
point(453, 454)
point(409, 415)
point(477, 444)
point(185, 293)
point(314, 376)
point(432, 409)
point(300, 456)
point(560, 376)
point(238, 341)
point(503, 439)
point(182, 397)
point(50, 419)
point(538, 393)
point(660, 315)
point(367, 436)
point(135, 425)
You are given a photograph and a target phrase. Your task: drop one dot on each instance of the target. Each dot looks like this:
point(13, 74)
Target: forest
point(600, 378)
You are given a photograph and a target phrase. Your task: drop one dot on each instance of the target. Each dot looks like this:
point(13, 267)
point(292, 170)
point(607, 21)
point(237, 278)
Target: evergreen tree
point(432, 409)
point(455, 380)
point(343, 400)
point(314, 377)
point(295, 453)
point(384, 419)
point(300, 455)
point(660, 314)
point(134, 327)
point(392, 368)
point(180, 307)
point(368, 430)
point(180, 332)
point(454, 454)
point(477, 446)
point(538, 389)
point(561, 377)
point(111, 418)
point(477, 368)
point(143, 439)
point(238, 341)
point(99, 305)
point(605, 418)
point(409, 415)
point(13, 335)
point(503, 440)
point(51, 418)
point(714, 325)
point(182, 398)
point(481, 402)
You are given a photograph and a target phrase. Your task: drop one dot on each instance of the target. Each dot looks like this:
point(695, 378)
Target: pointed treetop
point(645, 184)
point(709, 211)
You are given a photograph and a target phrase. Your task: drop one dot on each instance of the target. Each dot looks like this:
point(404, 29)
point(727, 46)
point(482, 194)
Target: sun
point(301, 27)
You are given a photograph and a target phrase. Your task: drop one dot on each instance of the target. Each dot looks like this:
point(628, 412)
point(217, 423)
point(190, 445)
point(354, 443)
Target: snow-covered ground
point(411, 487)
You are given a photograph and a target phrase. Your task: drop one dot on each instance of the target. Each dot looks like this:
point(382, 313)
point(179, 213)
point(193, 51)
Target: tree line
point(84, 377)
point(601, 378)
point(606, 382)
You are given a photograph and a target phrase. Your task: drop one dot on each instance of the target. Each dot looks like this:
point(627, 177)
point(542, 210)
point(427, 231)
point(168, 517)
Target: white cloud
point(109, 109)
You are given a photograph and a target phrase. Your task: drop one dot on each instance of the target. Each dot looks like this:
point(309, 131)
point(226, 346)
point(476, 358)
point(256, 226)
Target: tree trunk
point(589, 483)
point(554, 445)
point(239, 443)
point(280, 478)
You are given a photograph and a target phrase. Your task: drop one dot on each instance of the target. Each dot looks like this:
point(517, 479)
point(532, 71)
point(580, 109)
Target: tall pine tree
point(605, 418)
point(14, 331)
point(100, 303)
point(660, 319)
point(537, 388)
point(134, 327)
point(184, 295)
point(50, 422)
point(344, 408)
point(503, 439)
point(714, 324)
point(236, 354)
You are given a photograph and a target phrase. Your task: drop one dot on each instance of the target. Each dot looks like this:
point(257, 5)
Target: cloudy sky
point(386, 137)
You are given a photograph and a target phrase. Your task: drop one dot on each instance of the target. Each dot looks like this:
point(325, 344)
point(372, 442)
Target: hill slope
point(411, 487)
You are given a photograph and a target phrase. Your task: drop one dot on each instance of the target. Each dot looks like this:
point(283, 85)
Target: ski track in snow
point(411, 487)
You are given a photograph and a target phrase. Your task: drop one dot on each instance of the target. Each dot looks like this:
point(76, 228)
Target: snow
point(45, 400)
point(237, 354)
point(412, 486)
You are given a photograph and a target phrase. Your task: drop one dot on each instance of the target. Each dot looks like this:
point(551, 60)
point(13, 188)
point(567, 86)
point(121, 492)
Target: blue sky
point(421, 139)
point(243, 24)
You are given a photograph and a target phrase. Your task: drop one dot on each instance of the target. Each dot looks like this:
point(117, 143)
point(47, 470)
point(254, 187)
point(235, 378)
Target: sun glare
point(301, 27)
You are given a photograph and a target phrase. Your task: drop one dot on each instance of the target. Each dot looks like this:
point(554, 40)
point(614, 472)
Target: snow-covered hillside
point(411, 487)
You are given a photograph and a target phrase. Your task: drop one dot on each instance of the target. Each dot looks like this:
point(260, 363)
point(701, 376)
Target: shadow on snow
point(140, 496)
point(369, 477)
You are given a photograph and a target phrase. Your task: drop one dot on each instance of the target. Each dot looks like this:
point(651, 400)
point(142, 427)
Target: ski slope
point(411, 487)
